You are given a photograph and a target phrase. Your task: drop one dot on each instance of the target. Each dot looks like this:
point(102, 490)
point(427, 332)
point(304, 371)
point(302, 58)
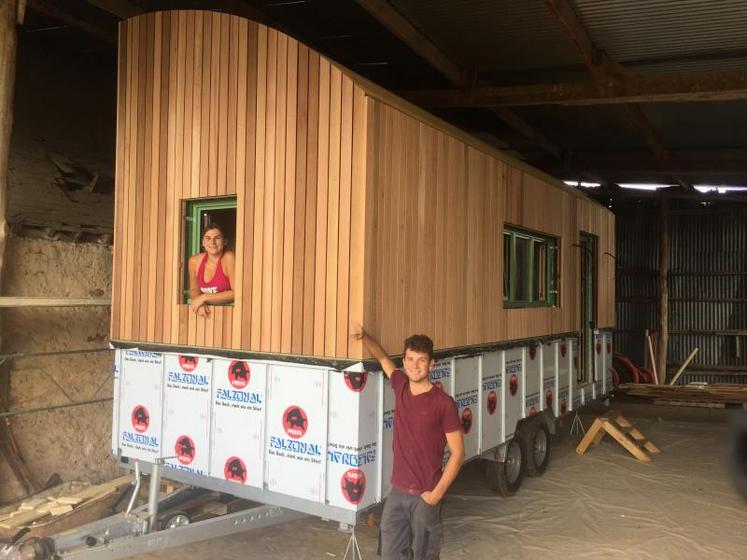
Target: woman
point(211, 272)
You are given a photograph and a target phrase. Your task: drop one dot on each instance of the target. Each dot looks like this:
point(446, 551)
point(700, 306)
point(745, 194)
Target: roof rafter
point(390, 18)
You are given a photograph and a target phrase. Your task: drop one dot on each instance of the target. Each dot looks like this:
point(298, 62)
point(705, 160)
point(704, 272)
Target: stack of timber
point(58, 509)
point(693, 393)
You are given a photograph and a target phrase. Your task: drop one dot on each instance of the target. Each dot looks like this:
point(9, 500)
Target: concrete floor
point(604, 504)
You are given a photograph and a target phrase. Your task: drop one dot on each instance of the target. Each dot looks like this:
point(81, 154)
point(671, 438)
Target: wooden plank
point(214, 105)
point(259, 188)
point(269, 192)
point(344, 224)
point(223, 102)
point(278, 205)
point(232, 71)
point(320, 259)
point(247, 303)
point(299, 232)
point(312, 187)
point(289, 218)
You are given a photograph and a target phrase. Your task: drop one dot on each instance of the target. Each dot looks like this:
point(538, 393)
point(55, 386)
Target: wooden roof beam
point(462, 78)
point(682, 87)
point(52, 10)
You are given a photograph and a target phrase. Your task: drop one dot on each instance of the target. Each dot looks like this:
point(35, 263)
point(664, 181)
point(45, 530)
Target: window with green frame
point(198, 214)
point(530, 268)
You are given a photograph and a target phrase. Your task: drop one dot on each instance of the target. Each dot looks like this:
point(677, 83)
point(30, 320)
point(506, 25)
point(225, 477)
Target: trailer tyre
point(536, 443)
point(505, 478)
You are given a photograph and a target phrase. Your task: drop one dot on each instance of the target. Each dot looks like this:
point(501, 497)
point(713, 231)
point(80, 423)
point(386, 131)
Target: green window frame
point(530, 268)
point(197, 214)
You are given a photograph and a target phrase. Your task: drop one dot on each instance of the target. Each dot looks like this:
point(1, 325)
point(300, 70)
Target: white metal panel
point(549, 396)
point(238, 416)
point(533, 379)
point(296, 431)
point(466, 383)
point(564, 376)
point(514, 389)
point(140, 411)
point(492, 400)
point(351, 453)
point(387, 437)
point(575, 393)
point(186, 419)
point(115, 402)
point(441, 376)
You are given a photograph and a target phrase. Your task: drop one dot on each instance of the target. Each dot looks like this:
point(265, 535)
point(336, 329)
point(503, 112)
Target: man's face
point(417, 365)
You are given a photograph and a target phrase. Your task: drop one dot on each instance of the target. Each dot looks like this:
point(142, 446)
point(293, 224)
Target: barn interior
point(639, 104)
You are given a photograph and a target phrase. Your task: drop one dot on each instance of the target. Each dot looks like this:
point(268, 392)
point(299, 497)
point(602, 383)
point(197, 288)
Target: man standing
point(425, 420)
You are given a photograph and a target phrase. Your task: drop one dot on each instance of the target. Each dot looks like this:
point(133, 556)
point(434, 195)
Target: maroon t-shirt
point(421, 423)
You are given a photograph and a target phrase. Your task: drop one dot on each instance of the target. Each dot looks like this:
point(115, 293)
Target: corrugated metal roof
point(636, 30)
point(492, 34)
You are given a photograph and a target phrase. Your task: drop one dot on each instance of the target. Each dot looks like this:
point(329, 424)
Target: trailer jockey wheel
point(505, 478)
point(175, 519)
point(535, 440)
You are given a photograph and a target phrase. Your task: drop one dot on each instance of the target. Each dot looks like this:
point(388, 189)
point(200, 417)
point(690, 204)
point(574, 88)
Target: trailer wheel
point(505, 478)
point(536, 443)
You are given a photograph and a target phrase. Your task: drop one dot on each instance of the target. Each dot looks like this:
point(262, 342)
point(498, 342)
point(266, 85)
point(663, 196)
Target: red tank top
point(218, 283)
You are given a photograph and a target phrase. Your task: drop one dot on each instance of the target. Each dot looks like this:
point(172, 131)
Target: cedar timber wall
point(352, 205)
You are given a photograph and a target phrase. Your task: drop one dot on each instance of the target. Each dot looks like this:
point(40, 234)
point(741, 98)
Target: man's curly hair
point(419, 343)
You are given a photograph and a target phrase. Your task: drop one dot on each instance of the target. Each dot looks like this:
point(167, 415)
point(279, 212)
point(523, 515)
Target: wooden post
point(663, 338)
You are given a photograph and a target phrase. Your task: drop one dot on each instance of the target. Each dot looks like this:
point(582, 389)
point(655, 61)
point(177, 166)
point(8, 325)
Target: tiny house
point(343, 204)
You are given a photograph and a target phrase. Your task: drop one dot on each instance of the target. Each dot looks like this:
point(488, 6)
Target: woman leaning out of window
point(211, 272)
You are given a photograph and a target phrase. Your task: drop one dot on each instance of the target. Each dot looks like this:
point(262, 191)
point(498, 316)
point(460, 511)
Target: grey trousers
point(410, 528)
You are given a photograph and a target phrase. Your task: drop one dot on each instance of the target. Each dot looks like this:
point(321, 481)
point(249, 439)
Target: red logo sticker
point(295, 421)
point(598, 347)
point(353, 485)
point(532, 351)
point(467, 420)
point(563, 348)
point(235, 470)
point(188, 363)
point(356, 380)
point(239, 374)
point(492, 402)
point(185, 449)
point(548, 399)
point(140, 418)
point(563, 406)
point(609, 347)
point(513, 384)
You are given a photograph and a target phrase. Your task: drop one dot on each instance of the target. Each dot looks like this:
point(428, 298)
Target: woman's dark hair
point(213, 225)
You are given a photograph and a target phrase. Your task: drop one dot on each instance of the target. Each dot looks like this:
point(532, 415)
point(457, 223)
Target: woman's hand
point(199, 307)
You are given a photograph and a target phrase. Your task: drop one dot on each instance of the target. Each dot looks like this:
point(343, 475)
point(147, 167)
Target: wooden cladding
point(351, 205)
point(215, 105)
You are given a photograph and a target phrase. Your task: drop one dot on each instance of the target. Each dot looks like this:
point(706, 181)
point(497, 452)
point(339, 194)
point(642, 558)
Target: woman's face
point(213, 241)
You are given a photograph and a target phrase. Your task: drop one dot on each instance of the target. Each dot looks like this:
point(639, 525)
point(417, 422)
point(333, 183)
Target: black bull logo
point(185, 447)
point(353, 490)
point(492, 402)
point(238, 371)
point(140, 415)
point(295, 418)
point(357, 379)
point(189, 360)
point(236, 470)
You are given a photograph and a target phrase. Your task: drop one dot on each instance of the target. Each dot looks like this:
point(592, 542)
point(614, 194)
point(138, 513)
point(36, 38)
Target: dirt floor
point(604, 504)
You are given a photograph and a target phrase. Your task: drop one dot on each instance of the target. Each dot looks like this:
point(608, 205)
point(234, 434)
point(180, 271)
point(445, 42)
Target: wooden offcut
point(627, 435)
point(353, 206)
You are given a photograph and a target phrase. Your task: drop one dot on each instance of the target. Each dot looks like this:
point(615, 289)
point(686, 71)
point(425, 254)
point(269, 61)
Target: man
point(425, 419)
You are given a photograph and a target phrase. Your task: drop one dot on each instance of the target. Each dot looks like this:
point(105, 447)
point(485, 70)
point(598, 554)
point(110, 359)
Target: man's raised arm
point(373, 346)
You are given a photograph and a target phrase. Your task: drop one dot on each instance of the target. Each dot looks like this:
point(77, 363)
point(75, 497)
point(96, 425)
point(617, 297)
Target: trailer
point(344, 204)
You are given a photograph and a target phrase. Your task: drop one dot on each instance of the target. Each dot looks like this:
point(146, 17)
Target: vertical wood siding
point(348, 209)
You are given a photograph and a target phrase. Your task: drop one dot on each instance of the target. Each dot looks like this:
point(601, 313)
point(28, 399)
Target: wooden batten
point(352, 206)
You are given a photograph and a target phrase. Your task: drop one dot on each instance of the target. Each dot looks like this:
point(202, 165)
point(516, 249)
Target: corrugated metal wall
point(707, 286)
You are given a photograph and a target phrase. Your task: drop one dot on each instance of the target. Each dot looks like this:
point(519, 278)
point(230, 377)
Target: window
point(198, 214)
point(530, 268)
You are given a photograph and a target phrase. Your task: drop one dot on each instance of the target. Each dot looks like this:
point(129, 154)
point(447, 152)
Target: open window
point(530, 268)
point(198, 214)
